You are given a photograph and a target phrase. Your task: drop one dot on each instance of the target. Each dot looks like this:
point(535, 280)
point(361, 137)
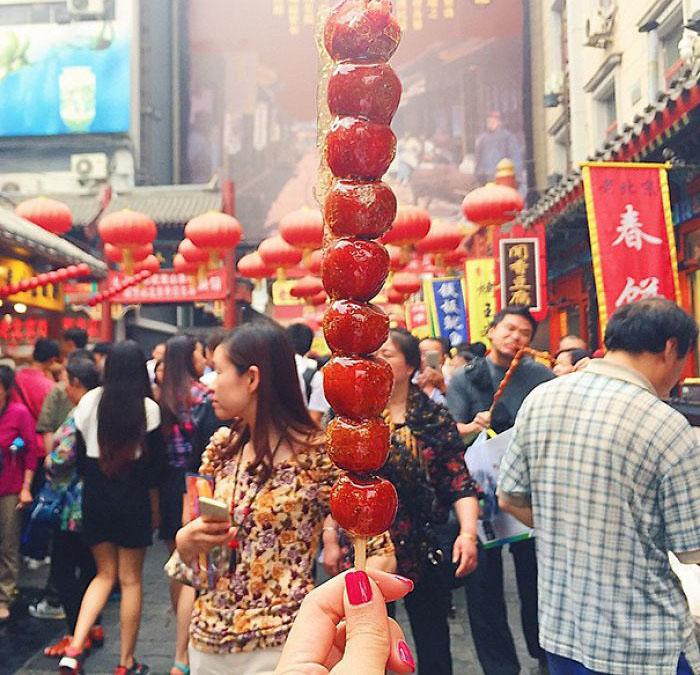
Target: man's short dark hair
point(45, 350)
point(7, 378)
point(77, 336)
point(85, 371)
point(444, 344)
point(646, 326)
point(477, 349)
point(81, 354)
point(515, 310)
point(216, 337)
point(301, 337)
point(103, 348)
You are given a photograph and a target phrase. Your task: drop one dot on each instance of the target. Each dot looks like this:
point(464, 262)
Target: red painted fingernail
point(405, 655)
point(358, 588)
point(404, 580)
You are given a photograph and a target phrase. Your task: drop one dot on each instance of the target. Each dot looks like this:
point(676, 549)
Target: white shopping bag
point(483, 459)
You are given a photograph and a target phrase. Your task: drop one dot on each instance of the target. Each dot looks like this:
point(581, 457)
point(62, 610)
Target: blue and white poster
point(71, 78)
point(449, 309)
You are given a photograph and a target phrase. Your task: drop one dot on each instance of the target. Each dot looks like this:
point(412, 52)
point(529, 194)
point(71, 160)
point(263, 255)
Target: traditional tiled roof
point(167, 205)
point(22, 237)
point(648, 131)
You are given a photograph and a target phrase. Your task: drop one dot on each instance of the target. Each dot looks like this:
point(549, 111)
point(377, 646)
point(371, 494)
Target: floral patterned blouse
point(280, 521)
point(426, 465)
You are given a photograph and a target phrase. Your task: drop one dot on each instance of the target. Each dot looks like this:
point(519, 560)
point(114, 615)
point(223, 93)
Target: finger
point(400, 658)
point(313, 632)
point(367, 643)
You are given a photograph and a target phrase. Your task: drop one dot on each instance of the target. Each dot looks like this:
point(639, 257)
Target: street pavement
point(22, 641)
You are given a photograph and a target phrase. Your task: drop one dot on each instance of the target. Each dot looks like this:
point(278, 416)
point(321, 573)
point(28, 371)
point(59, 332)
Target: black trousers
point(487, 608)
point(74, 569)
point(428, 607)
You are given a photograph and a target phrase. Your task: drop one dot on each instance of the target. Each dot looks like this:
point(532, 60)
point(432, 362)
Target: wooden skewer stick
point(513, 367)
point(360, 553)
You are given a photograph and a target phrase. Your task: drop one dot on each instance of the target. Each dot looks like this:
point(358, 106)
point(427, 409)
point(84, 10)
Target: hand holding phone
point(213, 509)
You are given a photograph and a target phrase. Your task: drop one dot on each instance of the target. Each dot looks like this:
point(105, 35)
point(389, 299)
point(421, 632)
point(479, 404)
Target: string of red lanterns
point(44, 279)
point(118, 288)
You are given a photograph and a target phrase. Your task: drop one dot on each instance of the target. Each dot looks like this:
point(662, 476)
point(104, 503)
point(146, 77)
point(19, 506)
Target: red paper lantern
point(251, 266)
point(453, 259)
point(441, 238)
point(397, 258)
point(277, 253)
point(313, 262)
point(24, 285)
point(49, 214)
point(394, 297)
point(83, 270)
point(181, 265)
point(303, 229)
point(214, 232)
point(116, 255)
point(411, 224)
point(192, 253)
point(406, 283)
point(492, 205)
point(307, 287)
point(127, 229)
point(318, 299)
point(72, 271)
point(150, 264)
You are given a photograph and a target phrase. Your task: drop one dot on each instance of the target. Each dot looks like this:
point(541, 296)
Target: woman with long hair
point(18, 461)
point(271, 470)
point(180, 393)
point(120, 452)
point(426, 465)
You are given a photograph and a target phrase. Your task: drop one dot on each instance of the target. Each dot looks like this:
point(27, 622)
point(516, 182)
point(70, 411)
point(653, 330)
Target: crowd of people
point(100, 450)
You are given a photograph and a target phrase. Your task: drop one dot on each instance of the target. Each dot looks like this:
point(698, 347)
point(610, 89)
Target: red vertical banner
point(633, 246)
point(521, 268)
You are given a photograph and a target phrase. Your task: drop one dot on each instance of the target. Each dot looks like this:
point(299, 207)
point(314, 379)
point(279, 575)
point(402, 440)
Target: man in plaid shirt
point(609, 476)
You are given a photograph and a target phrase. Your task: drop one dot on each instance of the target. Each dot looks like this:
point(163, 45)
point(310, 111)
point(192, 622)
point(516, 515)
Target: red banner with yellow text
point(633, 246)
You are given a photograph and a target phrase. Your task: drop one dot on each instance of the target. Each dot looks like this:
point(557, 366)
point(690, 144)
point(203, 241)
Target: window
point(669, 58)
point(607, 113)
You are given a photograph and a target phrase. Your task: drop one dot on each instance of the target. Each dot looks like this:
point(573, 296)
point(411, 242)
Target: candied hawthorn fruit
point(359, 209)
point(357, 387)
point(370, 91)
point(354, 269)
point(362, 30)
point(360, 447)
point(365, 507)
point(355, 327)
point(359, 149)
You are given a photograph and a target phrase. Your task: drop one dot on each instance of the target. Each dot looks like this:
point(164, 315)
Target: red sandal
point(58, 649)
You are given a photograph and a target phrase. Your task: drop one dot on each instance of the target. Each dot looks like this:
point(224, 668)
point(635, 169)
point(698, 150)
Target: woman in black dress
point(120, 450)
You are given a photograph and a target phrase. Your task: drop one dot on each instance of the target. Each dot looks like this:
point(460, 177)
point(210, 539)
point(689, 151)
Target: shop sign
point(168, 286)
point(48, 297)
point(633, 245)
point(418, 319)
point(448, 309)
point(480, 274)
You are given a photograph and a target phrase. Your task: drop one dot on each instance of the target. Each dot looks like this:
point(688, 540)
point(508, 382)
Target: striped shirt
point(613, 476)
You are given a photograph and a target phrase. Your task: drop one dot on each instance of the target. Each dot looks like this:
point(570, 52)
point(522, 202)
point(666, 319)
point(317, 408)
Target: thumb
point(367, 643)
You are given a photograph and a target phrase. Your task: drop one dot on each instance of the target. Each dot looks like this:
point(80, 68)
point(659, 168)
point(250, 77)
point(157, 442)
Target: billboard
point(67, 78)
point(251, 80)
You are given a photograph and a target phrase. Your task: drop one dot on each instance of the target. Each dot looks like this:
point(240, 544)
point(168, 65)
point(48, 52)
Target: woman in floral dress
point(272, 471)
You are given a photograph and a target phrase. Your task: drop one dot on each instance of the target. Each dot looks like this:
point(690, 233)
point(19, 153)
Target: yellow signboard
point(45, 297)
point(282, 296)
point(481, 297)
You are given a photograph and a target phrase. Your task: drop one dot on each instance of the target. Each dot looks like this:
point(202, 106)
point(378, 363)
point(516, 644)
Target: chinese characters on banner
point(449, 310)
point(631, 229)
point(168, 286)
point(522, 268)
point(418, 319)
point(480, 274)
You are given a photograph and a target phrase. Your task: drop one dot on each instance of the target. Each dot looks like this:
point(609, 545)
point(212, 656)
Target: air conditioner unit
point(85, 8)
point(19, 183)
point(90, 166)
point(599, 29)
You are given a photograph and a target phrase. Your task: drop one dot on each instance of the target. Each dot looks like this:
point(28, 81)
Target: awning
point(647, 134)
point(26, 240)
point(167, 205)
